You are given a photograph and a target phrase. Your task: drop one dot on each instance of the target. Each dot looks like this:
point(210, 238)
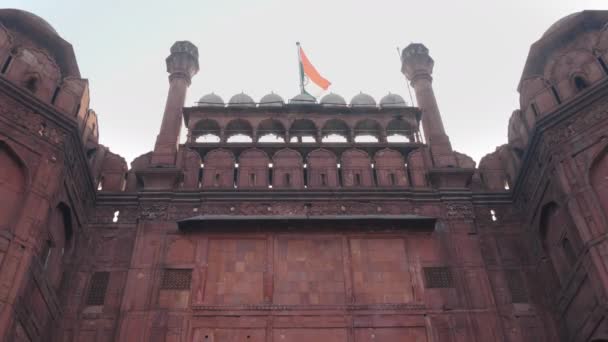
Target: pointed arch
point(367, 130)
point(322, 169)
point(558, 238)
point(59, 243)
point(13, 183)
point(303, 130)
point(598, 178)
point(287, 170)
point(218, 170)
point(390, 168)
point(206, 131)
point(356, 168)
point(271, 130)
point(253, 169)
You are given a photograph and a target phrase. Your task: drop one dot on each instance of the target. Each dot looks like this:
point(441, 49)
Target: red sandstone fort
point(382, 233)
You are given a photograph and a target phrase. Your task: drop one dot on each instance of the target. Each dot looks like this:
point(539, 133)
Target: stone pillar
point(182, 64)
point(417, 66)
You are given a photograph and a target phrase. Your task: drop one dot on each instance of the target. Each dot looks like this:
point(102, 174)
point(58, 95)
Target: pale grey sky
point(479, 48)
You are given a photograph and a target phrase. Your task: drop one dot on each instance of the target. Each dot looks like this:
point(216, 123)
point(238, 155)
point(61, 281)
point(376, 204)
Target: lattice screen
point(438, 277)
point(98, 288)
point(176, 279)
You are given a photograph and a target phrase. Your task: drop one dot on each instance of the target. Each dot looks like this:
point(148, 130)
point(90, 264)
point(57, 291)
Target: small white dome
point(392, 101)
point(211, 100)
point(241, 100)
point(333, 100)
point(305, 99)
point(271, 100)
point(363, 100)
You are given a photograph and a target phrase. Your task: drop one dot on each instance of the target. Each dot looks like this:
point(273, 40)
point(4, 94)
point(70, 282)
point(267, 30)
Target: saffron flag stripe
point(312, 73)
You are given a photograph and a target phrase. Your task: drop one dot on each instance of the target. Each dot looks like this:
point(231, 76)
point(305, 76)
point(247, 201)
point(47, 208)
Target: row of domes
point(360, 100)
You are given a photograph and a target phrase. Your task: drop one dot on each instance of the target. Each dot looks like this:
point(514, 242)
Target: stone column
point(417, 66)
point(182, 64)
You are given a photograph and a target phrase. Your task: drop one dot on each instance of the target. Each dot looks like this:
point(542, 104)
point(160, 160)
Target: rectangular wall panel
point(309, 335)
point(412, 334)
point(229, 335)
point(235, 272)
point(309, 271)
point(380, 271)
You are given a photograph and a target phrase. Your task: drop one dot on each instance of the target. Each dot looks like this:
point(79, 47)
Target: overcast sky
point(479, 48)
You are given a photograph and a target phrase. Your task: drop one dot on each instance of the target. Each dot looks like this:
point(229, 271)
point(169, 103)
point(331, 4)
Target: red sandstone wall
point(338, 283)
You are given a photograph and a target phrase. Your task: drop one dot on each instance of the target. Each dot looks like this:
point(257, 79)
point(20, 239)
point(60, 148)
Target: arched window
point(580, 83)
point(31, 84)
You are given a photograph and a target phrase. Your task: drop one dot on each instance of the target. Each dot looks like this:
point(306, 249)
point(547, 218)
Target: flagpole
point(302, 91)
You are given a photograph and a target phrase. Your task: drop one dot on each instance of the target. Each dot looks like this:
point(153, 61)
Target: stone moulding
point(203, 222)
point(346, 307)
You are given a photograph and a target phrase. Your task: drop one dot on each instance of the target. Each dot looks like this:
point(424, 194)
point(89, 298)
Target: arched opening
point(59, 243)
point(580, 83)
point(206, 131)
point(303, 131)
point(399, 131)
point(239, 131)
point(12, 186)
point(368, 131)
point(558, 238)
point(271, 131)
point(335, 131)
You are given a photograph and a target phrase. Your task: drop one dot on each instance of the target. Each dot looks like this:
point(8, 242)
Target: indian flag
point(311, 80)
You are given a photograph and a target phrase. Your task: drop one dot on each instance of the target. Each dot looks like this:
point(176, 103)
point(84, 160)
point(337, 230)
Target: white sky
point(479, 48)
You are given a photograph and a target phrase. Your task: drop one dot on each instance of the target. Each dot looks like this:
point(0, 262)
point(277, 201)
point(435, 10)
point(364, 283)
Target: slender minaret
point(417, 66)
point(182, 64)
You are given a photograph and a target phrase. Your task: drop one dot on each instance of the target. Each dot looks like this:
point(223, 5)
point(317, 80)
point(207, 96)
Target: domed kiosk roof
point(559, 35)
point(392, 101)
point(561, 23)
point(333, 100)
point(211, 100)
point(31, 19)
point(363, 100)
point(271, 100)
point(303, 99)
point(241, 100)
point(44, 36)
